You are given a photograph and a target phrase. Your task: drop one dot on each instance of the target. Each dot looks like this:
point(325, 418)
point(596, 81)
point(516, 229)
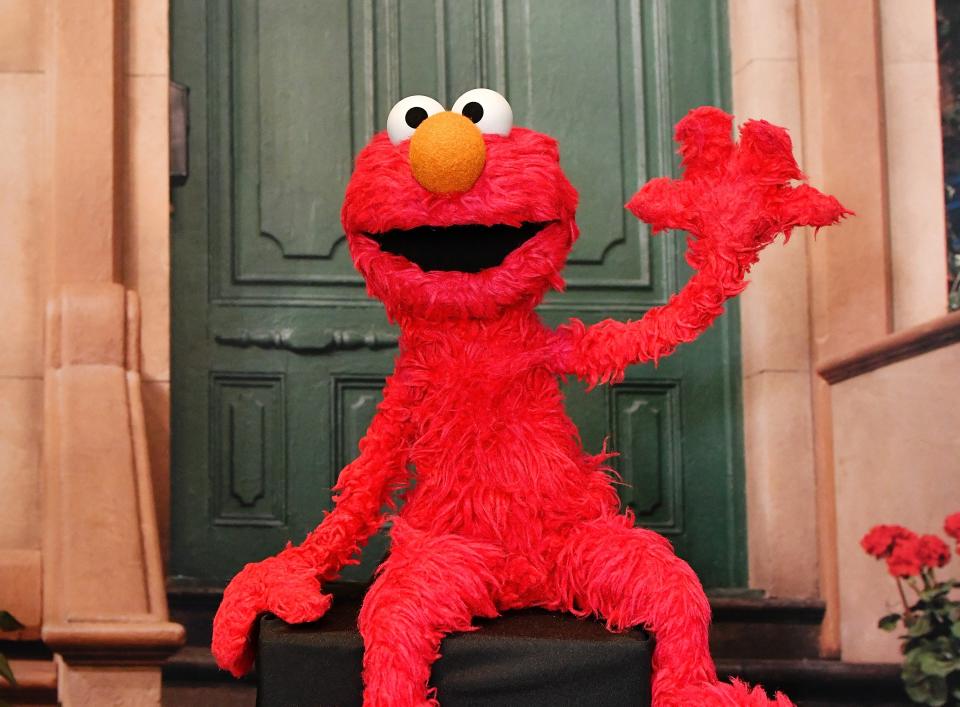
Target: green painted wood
point(279, 355)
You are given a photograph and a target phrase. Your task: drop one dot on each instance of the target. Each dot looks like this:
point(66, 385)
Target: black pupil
point(415, 116)
point(474, 111)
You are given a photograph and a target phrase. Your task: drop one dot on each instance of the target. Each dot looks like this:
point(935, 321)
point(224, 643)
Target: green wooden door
point(278, 354)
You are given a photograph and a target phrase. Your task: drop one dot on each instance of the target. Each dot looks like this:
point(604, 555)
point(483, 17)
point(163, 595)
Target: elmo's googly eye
point(487, 109)
point(407, 114)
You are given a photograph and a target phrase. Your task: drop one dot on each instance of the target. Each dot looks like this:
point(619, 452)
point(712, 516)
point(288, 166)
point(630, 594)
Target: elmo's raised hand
point(733, 200)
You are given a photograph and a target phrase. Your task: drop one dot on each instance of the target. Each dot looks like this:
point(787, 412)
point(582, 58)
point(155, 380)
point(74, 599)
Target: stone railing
point(104, 601)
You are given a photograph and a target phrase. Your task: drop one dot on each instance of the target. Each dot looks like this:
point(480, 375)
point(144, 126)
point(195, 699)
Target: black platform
point(531, 658)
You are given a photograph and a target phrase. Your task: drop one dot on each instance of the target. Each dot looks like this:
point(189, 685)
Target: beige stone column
point(24, 205)
point(850, 285)
point(86, 245)
point(892, 389)
point(105, 611)
point(775, 326)
point(911, 91)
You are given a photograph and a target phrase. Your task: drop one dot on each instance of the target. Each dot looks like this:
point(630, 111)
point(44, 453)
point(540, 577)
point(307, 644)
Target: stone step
point(35, 672)
point(823, 683)
point(744, 625)
point(191, 679)
point(765, 627)
point(768, 640)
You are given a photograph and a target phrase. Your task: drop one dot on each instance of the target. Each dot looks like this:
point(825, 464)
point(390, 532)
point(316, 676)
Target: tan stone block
point(88, 686)
point(908, 30)
point(24, 203)
point(842, 100)
point(34, 674)
point(762, 29)
point(156, 410)
point(781, 491)
point(896, 451)
point(146, 216)
point(21, 420)
point(771, 90)
point(775, 318)
point(23, 36)
point(811, 88)
point(147, 38)
point(97, 490)
point(85, 244)
point(915, 186)
point(91, 325)
point(20, 587)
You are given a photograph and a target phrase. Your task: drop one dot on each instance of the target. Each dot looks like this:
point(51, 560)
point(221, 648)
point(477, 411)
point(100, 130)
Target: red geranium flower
point(932, 551)
point(904, 560)
point(951, 526)
point(880, 541)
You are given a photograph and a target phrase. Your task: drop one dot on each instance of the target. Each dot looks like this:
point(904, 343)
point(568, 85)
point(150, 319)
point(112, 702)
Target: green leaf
point(918, 692)
point(8, 623)
point(944, 646)
point(6, 672)
point(920, 627)
point(929, 691)
point(955, 629)
point(889, 622)
point(938, 692)
point(940, 666)
point(912, 674)
point(942, 611)
point(935, 592)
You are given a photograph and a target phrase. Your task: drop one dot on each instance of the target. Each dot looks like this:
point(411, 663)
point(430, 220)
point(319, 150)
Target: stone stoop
point(36, 673)
point(753, 626)
point(823, 683)
point(770, 641)
point(191, 678)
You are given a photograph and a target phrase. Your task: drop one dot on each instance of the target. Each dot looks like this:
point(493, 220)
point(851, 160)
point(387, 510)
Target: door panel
point(248, 426)
point(278, 353)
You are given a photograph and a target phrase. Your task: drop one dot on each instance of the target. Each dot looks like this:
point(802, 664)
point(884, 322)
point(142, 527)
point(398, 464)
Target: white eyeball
point(407, 114)
point(488, 109)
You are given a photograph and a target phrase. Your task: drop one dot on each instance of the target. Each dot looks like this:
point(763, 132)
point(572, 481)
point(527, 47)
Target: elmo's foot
point(721, 694)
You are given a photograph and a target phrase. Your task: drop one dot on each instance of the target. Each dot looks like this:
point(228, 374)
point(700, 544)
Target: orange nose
point(447, 153)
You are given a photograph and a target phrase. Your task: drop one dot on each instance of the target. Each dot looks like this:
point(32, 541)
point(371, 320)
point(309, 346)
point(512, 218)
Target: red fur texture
point(508, 510)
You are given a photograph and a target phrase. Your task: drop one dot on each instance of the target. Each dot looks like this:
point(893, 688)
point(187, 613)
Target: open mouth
point(467, 248)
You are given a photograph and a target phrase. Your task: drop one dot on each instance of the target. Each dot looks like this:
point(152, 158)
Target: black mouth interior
point(466, 248)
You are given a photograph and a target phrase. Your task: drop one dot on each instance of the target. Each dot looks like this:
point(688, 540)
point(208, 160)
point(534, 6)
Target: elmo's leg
point(631, 577)
point(428, 587)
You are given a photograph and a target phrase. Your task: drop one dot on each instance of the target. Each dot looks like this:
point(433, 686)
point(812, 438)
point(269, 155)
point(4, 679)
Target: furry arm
point(288, 584)
point(364, 487)
point(733, 200)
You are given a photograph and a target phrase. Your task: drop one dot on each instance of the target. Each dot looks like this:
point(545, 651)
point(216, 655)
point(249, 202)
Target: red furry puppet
point(460, 224)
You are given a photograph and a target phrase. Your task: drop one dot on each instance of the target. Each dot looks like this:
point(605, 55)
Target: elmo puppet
point(460, 223)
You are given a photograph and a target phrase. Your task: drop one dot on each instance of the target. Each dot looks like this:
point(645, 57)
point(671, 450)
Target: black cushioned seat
point(526, 658)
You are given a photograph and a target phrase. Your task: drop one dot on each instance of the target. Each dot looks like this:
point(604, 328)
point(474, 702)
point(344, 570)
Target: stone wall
point(27, 203)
